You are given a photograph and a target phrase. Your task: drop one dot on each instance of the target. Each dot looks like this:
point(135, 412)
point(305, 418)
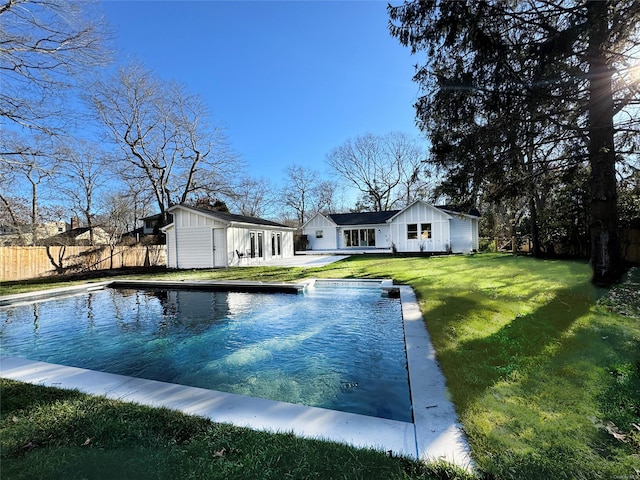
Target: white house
point(420, 227)
point(200, 238)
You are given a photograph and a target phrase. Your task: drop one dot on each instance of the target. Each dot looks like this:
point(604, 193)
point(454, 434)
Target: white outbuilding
point(200, 238)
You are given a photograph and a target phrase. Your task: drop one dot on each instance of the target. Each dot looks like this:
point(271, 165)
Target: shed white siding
point(199, 239)
point(195, 249)
point(417, 215)
point(193, 241)
point(171, 246)
point(275, 243)
point(321, 233)
point(464, 233)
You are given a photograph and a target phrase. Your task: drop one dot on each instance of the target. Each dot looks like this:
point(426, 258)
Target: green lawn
point(542, 366)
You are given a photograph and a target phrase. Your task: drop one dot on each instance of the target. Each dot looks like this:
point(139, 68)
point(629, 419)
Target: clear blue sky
point(291, 80)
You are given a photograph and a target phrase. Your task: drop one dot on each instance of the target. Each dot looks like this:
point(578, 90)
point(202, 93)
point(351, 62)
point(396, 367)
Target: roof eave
point(256, 225)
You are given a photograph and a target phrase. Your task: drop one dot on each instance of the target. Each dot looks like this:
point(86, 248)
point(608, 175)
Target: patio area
point(308, 261)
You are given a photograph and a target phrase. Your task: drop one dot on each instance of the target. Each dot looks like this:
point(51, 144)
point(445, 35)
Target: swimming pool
point(335, 347)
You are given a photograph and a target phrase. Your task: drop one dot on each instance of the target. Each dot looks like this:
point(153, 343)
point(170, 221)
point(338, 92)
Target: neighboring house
point(152, 223)
point(420, 227)
point(79, 236)
point(200, 238)
point(22, 235)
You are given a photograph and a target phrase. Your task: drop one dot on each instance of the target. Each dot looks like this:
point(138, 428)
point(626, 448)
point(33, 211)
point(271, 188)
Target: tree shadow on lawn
point(539, 395)
point(473, 366)
point(18, 395)
point(40, 416)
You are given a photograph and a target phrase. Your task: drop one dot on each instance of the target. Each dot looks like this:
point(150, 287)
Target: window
point(279, 244)
point(273, 244)
point(364, 237)
point(260, 245)
point(319, 233)
point(425, 231)
point(412, 231)
point(371, 233)
point(252, 244)
point(347, 238)
point(368, 237)
point(354, 238)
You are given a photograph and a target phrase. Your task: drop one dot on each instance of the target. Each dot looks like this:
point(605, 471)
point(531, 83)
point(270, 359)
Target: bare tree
point(304, 193)
point(81, 177)
point(26, 170)
point(416, 176)
point(165, 135)
point(118, 214)
point(385, 169)
point(45, 48)
point(323, 198)
point(14, 215)
point(253, 197)
point(117, 218)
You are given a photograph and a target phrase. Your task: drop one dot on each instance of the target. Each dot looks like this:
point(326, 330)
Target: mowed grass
point(542, 366)
point(48, 433)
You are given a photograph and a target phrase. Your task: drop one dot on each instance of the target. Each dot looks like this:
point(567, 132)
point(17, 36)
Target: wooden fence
point(629, 243)
point(630, 240)
point(19, 263)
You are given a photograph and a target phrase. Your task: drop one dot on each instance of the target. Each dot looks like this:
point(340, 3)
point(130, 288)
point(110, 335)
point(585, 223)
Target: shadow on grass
point(36, 417)
point(18, 395)
point(57, 434)
point(475, 365)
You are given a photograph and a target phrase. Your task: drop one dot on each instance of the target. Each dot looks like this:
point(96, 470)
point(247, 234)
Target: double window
point(256, 244)
point(423, 234)
point(361, 237)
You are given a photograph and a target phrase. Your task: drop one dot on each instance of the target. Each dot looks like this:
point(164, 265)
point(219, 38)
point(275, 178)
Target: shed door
point(219, 248)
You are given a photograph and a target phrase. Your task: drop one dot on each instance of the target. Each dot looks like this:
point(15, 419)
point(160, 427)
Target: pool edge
point(256, 413)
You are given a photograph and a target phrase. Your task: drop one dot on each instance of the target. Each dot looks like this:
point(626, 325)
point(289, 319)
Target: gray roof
point(474, 212)
point(374, 218)
point(362, 218)
point(232, 217)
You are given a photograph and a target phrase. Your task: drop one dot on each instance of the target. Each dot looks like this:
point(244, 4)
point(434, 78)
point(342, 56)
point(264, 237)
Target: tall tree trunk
point(606, 258)
point(34, 213)
point(535, 230)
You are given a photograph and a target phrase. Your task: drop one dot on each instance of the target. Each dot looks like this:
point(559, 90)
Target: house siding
point(240, 239)
point(329, 232)
point(171, 247)
point(193, 241)
point(195, 249)
point(420, 213)
point(463, 234)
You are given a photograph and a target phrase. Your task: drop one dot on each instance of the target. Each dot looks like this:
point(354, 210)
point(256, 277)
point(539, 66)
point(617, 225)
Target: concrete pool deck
point(299, 260)
point(435, 433)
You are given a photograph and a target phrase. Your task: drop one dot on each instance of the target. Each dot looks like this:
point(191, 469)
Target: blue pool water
point(338, 348)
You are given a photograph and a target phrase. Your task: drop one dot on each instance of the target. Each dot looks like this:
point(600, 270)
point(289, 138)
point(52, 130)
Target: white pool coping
point(435, 433)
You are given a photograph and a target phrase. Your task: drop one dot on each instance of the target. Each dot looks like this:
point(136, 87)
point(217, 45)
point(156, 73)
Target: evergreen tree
point(517, 93)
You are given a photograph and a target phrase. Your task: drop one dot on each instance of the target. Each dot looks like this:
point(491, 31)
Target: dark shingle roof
point(455, 209)
point(232, 217)
point(362, 218)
